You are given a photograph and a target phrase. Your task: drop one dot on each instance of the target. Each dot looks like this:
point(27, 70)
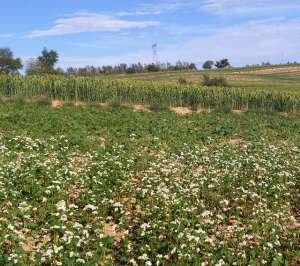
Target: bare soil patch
point(284, 114)
point(203, 110)
point(56, 103)
point(74, 191)
point(181, 110)
point(111, 230)
point(238, 112)
point(235, 141)
point(80, 104)
point(140, 107)
point(104, 104)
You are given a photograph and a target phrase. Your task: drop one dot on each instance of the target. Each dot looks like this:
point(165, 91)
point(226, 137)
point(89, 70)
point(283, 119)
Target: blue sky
point(98, 32)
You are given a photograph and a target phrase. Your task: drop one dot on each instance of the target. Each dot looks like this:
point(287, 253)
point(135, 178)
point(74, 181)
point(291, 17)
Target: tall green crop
point(97, 89)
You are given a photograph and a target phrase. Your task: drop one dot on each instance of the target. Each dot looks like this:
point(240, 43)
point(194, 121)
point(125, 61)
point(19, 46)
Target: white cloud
point(229, 7)
point(90, 22)
point(219, 7)
point(252, 42)
point(157, 8)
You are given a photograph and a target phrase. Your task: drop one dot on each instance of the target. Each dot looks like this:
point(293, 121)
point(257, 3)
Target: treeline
point(131, 69)
point(45, 64)
point(264, 64)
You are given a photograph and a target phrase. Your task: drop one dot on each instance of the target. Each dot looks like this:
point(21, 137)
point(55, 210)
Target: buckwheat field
point(92, 185)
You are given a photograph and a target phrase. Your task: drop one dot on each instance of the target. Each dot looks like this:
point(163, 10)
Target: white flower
point(143, 257)
point(82, 261)
point(224, 202)
point(117, 205)
point(133, 262)
point(206, 214)
point(61, 205)
point(11, 227)
point(145, 226)
point(49, 252)
point(77, 225)
point(90, 207)
point(57, 249)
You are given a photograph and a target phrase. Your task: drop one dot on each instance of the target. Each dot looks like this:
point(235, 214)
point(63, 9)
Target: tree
point(192, 66)
point(34, 67)
point(208, 64)
point(48, 58)
point(9, 64)
point(44, 64)
point(153, 67)
point(223, 63)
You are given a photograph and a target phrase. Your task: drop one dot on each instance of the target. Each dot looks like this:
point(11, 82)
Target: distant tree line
point(263, 64)
point(45, 64)
point(131, 69)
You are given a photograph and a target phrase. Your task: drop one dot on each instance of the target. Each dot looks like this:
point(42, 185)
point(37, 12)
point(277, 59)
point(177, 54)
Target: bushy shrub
point(182, 81)
point(214, 81)
point(43, 100)
point(223, 63)
point(208, 64)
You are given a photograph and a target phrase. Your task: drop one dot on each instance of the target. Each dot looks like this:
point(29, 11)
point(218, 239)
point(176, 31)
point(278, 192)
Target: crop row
point(94, 89)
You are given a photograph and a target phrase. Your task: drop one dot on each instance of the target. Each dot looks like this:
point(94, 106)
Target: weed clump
point(214, 81)
point(182, 81)
point(43, 100)
point(158, 107)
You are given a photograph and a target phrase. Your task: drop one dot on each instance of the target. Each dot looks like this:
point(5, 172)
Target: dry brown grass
point(271, 70)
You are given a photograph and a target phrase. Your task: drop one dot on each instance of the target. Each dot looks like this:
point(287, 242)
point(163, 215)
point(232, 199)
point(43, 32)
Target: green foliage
point(90, 185)
point(223, 63)
point(208, 64)
point(42, 101)
point(98, 90)
point(182, 81)
point(214, 81)
point(158, 107)
point(35, 67)
point(44, 64)
point(48, 58)
point(153, 68)
point(115, 102)
point(9, 64)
